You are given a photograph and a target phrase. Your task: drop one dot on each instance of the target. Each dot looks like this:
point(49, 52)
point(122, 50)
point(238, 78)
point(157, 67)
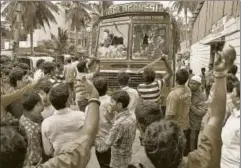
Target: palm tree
point(60, 41)
point(97, 10)
point(31, 16)
point(185, 6)
point(77, 13)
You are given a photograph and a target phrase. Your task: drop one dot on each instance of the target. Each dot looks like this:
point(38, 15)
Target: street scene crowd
point(53, 116)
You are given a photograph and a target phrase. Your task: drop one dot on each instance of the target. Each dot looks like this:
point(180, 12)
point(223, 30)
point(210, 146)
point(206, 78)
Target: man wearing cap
point(197, 110)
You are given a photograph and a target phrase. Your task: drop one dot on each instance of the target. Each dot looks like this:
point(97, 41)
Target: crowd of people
point(198, 128)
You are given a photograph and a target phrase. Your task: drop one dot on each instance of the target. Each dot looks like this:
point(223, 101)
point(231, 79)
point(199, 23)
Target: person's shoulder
point(48, 122)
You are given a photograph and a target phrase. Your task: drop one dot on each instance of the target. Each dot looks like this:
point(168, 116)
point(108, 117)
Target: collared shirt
point(151, 92)
point(33, 135)
point(178, 105)
point(230, 157)
point(134, 97)
point(47, 112)
point(106, 121)
point(70, 73)
point(120, 139)
point(209, 78)
point(195, 116)
point(61, 129)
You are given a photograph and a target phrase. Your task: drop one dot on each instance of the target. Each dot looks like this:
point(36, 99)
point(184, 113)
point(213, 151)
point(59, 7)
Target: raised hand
point(225, 59)
point(87, 87)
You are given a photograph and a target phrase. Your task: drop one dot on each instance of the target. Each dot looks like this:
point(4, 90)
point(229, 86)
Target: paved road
point(138, 153)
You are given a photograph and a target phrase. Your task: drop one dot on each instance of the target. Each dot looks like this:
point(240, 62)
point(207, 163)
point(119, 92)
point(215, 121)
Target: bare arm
point(169, 73)
point(224, 60)
point(90, 127)
point(17, 94)
point(97, 69)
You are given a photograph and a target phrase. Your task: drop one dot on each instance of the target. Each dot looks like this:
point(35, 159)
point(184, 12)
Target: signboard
point(135, 7)
point(148, 17)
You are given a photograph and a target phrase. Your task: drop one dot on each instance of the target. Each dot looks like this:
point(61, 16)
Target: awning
point(218, 39)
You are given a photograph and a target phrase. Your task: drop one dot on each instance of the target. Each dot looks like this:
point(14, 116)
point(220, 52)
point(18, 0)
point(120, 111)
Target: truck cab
point(131, 37)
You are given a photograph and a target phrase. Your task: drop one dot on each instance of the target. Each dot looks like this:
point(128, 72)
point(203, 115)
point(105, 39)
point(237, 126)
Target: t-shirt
point(178, 105)
point(151, 92)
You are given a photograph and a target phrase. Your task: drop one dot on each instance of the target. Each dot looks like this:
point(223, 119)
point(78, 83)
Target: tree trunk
point(76, 37)
point(31, 43)
point(185, 12)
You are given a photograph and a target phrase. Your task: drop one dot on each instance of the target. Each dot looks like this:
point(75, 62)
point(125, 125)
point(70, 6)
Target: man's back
point(62, 128)
point(178, 105)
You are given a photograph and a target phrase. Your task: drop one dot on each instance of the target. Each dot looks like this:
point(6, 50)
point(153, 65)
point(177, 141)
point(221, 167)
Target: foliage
point(60, 41)
point(77, 13)
point(184, 5)
point(32, 13)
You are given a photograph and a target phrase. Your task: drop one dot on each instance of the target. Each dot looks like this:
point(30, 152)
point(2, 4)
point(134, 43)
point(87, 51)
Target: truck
point(133, 36)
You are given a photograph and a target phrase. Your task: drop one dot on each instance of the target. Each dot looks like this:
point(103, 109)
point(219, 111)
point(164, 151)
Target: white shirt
point(106, 120)
point(60, 130)
point(230, 157)
point(47, 112)
point(134, 98)
point(38, 74)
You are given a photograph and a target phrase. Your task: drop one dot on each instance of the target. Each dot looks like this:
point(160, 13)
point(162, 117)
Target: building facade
point(213, 24)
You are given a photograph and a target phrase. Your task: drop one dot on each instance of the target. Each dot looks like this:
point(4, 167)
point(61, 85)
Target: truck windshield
point(149, 41)
point(113, 41)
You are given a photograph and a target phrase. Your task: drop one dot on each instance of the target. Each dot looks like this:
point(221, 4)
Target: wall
point(205, 29)
point(200, 53)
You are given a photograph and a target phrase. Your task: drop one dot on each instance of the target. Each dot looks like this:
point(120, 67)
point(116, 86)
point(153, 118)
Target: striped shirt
point(151, 92)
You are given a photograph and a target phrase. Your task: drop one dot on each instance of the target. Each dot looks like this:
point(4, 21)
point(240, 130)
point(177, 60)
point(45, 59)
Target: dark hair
point(203, 69)
point(24, 67)
point(237, 87)
point(48, 67)
point(46, 86)
point(39, 62)
point(182, 76)
point(5, 71)
point(14, 76)
point(123, 78)
point(13, 148)
point(81, 66)
point(190, 71)
point(68, 60)
point(58, 96)
point(149, 75)
point(233, 70)
point(30, 101)
point(148, 113)
point(164, 144)
point(100, 84)
point(229, 84)
point(121, 97)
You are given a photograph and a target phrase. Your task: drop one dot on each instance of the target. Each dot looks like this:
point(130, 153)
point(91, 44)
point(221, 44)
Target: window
point(113, 41)
point(149, 41)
